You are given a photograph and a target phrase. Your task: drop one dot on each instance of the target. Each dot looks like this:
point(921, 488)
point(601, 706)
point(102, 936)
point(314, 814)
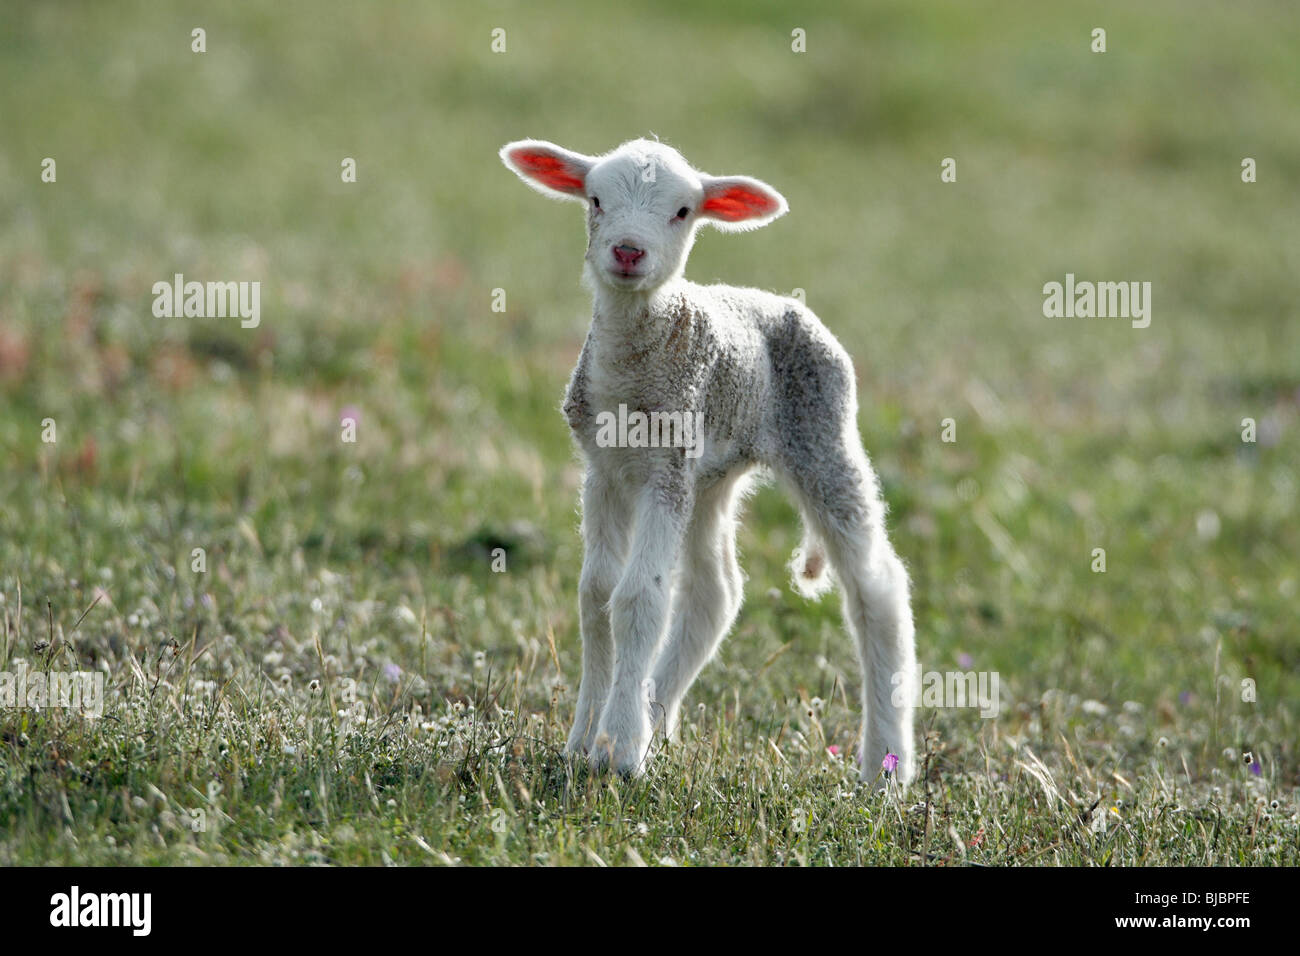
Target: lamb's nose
point(627, 255)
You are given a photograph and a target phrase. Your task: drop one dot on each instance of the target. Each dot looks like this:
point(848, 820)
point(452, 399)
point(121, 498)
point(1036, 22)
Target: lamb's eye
point(595, 201)
point(683, 213)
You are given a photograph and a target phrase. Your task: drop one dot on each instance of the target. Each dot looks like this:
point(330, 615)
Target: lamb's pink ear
point(550, 169)
point(733, 203)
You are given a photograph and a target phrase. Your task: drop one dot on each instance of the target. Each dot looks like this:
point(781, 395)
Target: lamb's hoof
point(606, 754)
point(581, 741)
point(577, 748)
point(600, 753)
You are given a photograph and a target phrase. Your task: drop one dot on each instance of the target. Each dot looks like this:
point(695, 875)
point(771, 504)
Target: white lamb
point(660, 585)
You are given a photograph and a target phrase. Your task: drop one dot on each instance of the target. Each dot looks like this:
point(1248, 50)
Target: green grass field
point(335, 569)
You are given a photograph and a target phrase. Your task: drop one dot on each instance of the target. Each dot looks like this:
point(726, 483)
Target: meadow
point(308, 657)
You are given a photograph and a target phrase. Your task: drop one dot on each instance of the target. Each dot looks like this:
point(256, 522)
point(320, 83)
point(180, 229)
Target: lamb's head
point(644, 203)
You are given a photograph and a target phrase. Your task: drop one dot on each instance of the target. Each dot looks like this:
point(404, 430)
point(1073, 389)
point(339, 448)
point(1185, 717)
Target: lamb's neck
point(636, 320)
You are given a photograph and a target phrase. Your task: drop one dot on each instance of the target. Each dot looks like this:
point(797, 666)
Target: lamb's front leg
point(604, 537)
point(639, 617)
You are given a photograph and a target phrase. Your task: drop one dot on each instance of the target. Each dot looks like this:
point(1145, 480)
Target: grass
point(349, 682)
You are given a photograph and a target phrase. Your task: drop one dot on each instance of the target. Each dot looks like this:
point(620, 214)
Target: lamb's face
point(644, 202)
point(641, 217)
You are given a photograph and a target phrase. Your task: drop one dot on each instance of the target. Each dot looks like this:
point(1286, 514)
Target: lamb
point(775, 392)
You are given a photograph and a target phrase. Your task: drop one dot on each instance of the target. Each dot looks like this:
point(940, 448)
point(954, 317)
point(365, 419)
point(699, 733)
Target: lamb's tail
point(810, 568)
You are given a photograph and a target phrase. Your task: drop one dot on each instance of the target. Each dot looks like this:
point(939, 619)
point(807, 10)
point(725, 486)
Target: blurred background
point(1072, 434)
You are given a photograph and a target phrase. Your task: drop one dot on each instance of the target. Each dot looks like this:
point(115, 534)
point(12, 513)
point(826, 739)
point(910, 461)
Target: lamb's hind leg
point(842, 498)
point(708, 596)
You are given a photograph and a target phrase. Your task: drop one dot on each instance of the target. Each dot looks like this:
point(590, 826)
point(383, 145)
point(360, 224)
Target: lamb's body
point(660, 583)
point(699, 348)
